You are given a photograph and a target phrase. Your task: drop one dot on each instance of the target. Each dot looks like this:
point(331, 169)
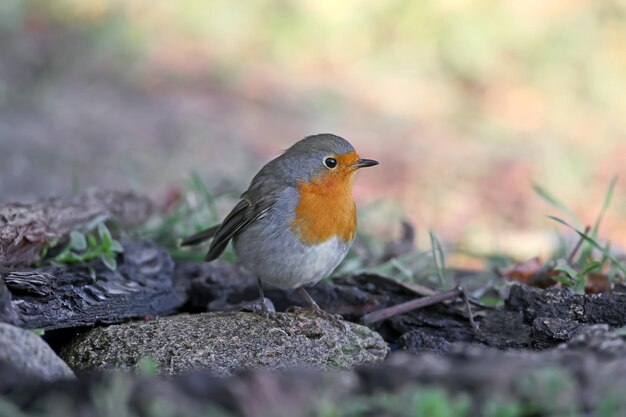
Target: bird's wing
point(200, 237)
point(255, 202)
point(239, 218)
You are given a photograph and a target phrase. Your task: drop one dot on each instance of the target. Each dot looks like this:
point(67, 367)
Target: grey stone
point(26, 351)
point(228, 342)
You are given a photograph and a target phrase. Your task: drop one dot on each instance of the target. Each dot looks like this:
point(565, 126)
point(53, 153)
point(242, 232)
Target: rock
point(548, 331)
point(67, 296)
point(598, 340)
point(227, 343)
point(26, 351)
point(563, 304)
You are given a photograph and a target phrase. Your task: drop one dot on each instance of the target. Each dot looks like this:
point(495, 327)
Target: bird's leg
point(269, 311)
point(264, 308)
point(314, 307)
point(336, 319)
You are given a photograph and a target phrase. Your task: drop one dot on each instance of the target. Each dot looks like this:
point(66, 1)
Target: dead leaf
point(531, 272)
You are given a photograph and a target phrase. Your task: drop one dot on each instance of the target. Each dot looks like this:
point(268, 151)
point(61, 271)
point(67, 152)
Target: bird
point(297, 220)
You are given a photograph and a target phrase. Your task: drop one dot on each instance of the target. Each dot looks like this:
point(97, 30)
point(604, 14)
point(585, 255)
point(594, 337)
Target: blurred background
point(466, 103)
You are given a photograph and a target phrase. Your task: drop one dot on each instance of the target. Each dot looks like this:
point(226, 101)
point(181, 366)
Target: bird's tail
point(200, 236)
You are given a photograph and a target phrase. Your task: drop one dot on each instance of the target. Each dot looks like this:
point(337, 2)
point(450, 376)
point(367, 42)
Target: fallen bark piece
point(227, 343)
point(26, 228)
point(26, 351)
point(67, 296)
point(7, 312)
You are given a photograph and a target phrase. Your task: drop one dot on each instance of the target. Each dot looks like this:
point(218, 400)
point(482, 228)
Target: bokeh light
point(465, 102)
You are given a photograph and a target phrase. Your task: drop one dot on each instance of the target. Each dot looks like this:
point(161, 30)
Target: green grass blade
point(563, 266)
point(586, 250)
point(604, 258)
point(439, 258)
point(590, 267)
point(607, 202)
point(581, 279)
point(198, 186)
point(552, 200)
point(593, 243)
point(408, 274)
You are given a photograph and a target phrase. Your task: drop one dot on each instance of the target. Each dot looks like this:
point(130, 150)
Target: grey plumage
point(298, 163)
point(260, 223)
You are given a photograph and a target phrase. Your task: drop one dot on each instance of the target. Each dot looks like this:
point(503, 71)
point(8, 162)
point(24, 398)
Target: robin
point(297, 220)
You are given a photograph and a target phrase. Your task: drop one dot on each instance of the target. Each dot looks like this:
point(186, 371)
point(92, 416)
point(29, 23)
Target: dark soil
point(531, 318)
point(575, 378)
point(538, 340)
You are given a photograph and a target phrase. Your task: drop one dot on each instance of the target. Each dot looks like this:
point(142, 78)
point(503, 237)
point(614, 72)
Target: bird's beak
point(364, 163)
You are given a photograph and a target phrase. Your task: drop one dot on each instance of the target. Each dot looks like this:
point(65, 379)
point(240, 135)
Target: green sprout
point(573, 271)
point(195, 210)
point(87, 246)
point(439, 259)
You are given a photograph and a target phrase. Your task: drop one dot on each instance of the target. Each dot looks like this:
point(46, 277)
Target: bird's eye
point(330, 163)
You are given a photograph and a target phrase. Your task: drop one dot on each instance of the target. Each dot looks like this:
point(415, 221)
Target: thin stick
point(385, 313)
point(467, 301)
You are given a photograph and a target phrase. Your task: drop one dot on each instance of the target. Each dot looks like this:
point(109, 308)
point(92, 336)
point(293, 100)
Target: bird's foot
point(263, 306)
point(335, 319)
point(315, 309)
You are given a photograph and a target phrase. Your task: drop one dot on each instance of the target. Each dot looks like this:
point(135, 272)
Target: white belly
point(290, 264)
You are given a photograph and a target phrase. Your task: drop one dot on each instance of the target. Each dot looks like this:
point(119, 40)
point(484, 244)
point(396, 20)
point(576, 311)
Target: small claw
point(264, 306)
point(315, 309)
point(335, 319)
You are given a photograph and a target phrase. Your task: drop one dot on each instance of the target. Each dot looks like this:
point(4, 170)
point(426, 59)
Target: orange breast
point(326, 208)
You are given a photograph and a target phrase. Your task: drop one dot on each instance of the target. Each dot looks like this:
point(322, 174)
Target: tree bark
point(68, 296)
